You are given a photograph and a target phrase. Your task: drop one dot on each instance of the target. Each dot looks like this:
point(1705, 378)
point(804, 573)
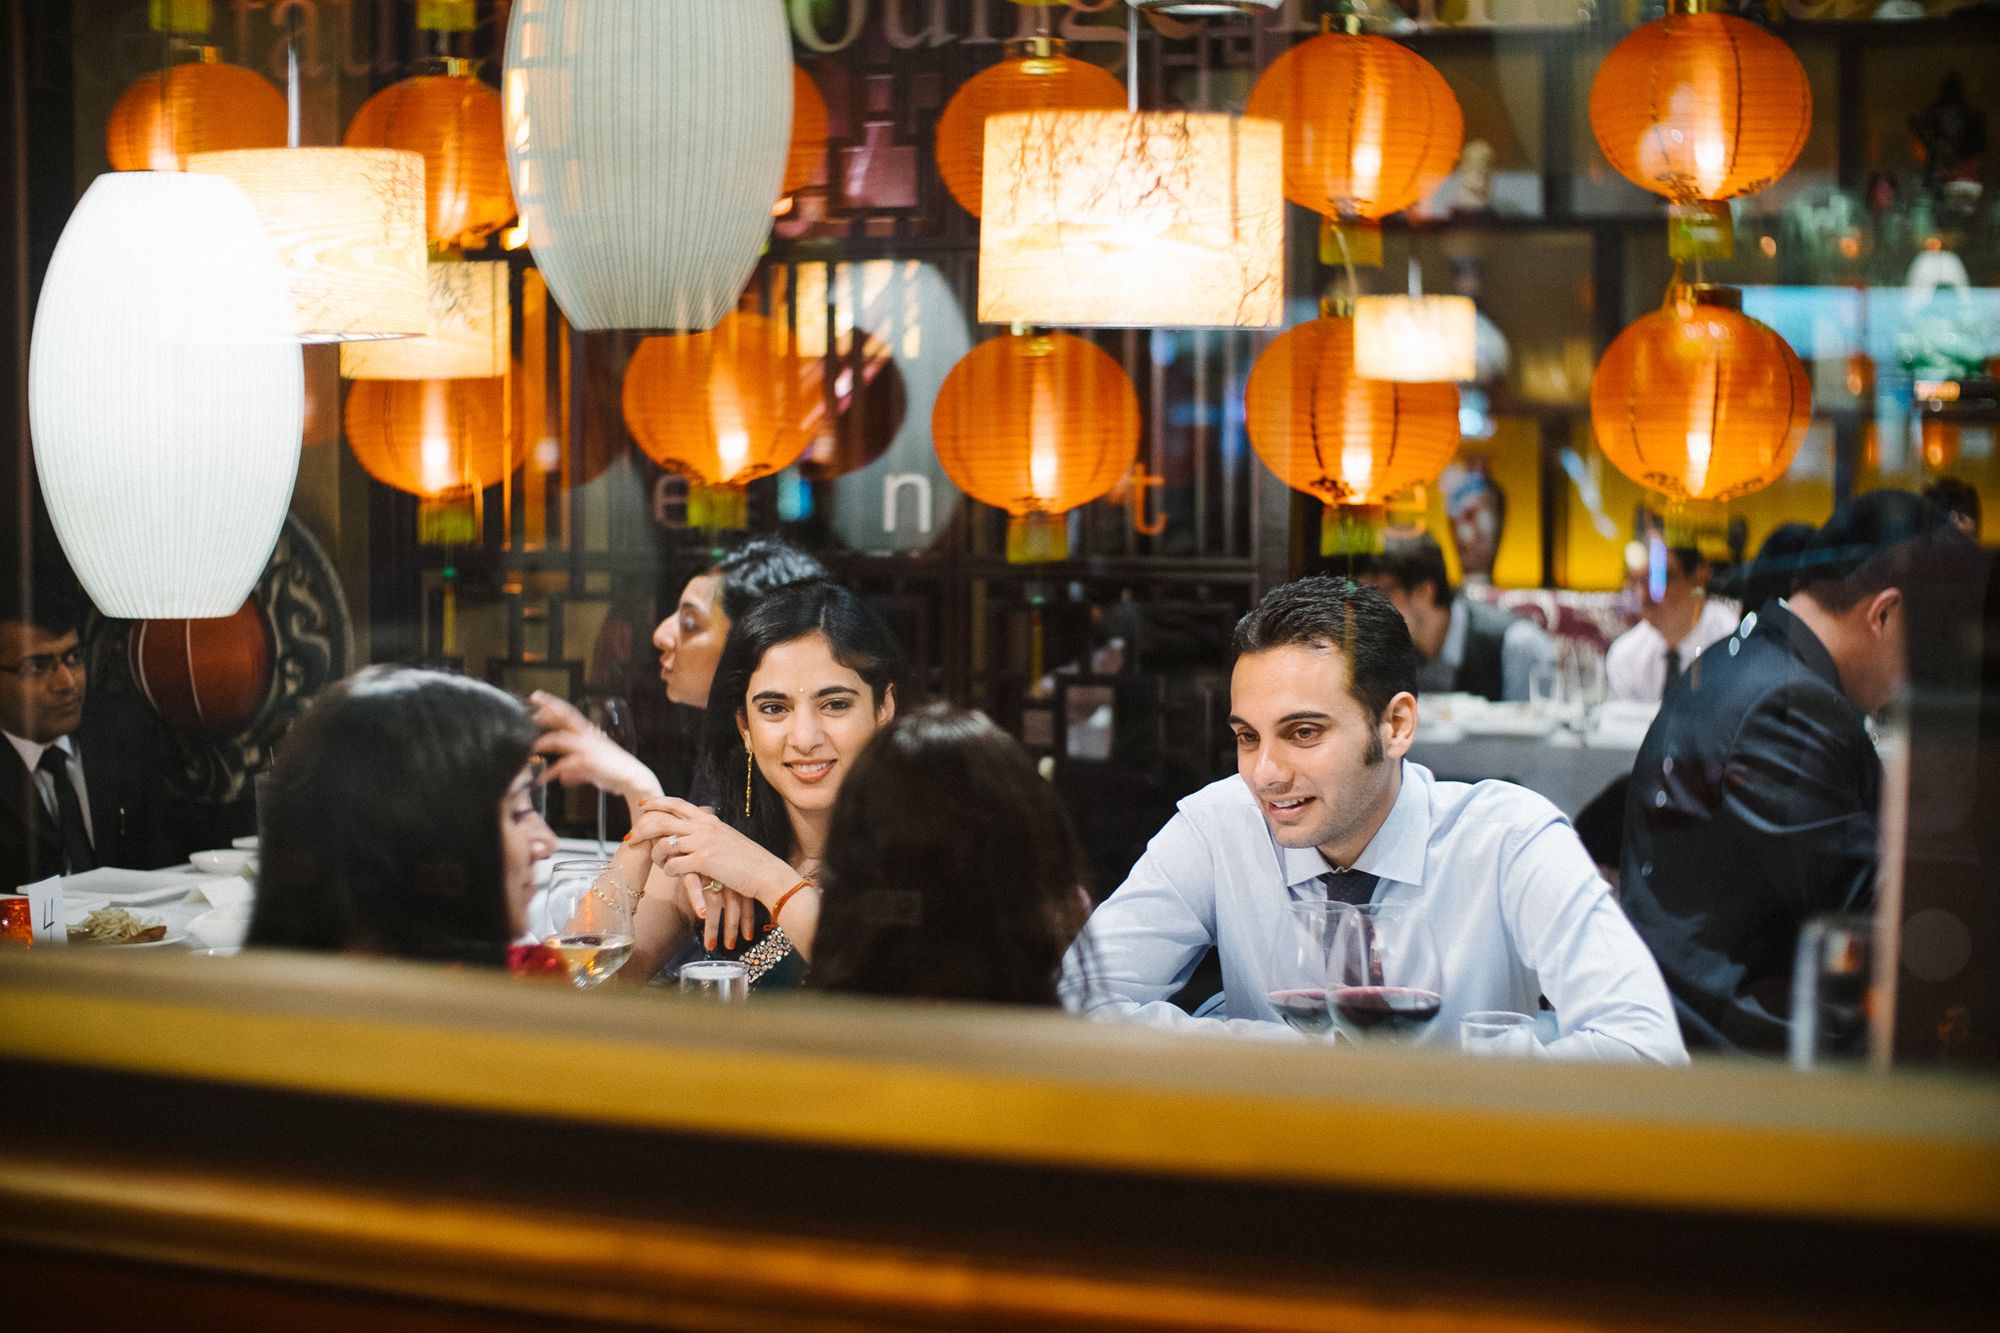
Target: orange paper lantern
point(197, 108)
point(1700, 107)
point(1699, 401)
point(726, 406)
point(1035, 76)
point(1350, 441)
point(429, 437)
point(204, 676)
point(453, 120)
point(1036, 424)
point(1370, 126)
point(810, 127)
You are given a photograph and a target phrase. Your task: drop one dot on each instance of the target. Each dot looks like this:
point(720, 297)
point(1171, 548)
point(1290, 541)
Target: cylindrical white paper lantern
point(166, 394)
point(1132, 220)
point(1416, 339)
point(348, 224)
point(646, 142)
point(469, 329)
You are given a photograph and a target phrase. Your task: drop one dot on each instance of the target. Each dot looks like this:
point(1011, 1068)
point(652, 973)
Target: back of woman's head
point(757, 567)
point(951, 871)
point(381, 824)
point(860, 641)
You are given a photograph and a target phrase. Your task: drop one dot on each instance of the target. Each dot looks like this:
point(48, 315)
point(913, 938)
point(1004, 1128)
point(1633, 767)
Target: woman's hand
point(724, 873)
point(584, 755)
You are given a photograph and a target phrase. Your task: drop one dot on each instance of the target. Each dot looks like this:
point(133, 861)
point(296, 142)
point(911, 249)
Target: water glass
point(1545, 686)
point(716, 979)
point(1497, 1032)
point(1830, 989)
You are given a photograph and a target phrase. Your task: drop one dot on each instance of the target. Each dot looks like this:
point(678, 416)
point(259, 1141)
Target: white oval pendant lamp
point(646, 142)
point(166, 394)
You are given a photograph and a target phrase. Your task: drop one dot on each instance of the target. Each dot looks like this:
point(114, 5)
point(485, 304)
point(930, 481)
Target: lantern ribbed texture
point(166, 394)
point(1022, 82)
point(429, 436)
point(200, 108)
point(1132, 220)
point(1370, 126)
point(1036, 423)
point(810, 127)
point(1701, 106)
point(725, 407)
point(203, 676)
point(646, 143)
point(1700, 402)
point(453, 122)
point(348, 224)
point(468, 333)
point(1326, 431)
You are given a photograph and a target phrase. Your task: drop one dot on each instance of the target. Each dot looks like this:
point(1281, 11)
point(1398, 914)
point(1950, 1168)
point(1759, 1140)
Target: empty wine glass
point(1382, 980)
point(588, 914)
point(610, 717)
point(1298, 966)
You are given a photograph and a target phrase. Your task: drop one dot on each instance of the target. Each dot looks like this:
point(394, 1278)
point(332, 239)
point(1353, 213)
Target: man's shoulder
point(1222, 802)
point(1493, 802)
point(1634, 641)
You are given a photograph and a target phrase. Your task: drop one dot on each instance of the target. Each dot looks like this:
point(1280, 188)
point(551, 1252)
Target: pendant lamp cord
point(1131, 60)
point(292, 77)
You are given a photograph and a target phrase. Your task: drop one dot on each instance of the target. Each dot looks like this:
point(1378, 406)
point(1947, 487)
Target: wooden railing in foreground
point(1015, 1155)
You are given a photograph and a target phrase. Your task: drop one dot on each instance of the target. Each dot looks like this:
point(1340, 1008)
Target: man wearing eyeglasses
point(67, 802)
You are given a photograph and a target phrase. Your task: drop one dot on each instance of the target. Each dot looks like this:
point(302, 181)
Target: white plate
point(171, 937)
point(127, 888)
point(1505, 724)
point(246, 843)
point(221, 861)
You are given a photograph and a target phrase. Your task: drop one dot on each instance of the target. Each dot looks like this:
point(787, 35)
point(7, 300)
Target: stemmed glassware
point(588, 921)
point(610, 717)
point(1383, 981)
point(1299, 966)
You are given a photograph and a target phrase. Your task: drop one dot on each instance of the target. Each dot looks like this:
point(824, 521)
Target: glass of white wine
point(589, 920)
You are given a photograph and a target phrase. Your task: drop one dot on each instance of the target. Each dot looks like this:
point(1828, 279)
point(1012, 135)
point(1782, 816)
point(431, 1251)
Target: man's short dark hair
point(1324, 611)
point(53, 605)
point(1872, 543)
point(1954, 495)
point(1410, 563)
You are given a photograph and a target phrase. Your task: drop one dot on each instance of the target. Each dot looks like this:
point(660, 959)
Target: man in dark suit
point(1465, 645)
point(1753, 801)
point(72, 796)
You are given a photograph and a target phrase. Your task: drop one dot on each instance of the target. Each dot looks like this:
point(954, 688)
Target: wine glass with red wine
point(1298, 967)
point(1382, 976)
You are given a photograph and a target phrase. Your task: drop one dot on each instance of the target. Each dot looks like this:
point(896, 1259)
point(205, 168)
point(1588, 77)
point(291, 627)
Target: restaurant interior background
point(527, 520)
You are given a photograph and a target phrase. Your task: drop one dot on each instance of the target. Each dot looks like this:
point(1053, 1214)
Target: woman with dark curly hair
point(401, 820)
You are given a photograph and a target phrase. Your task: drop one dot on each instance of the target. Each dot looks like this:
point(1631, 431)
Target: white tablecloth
point(1566, 772)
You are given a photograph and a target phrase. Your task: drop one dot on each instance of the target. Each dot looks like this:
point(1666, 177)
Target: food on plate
point(115, 925)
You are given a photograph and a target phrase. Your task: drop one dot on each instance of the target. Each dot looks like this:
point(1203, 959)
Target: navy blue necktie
point(77, 856)
point(1349, 886)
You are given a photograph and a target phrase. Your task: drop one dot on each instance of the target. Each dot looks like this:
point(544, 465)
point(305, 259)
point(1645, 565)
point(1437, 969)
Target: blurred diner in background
point(932, 655)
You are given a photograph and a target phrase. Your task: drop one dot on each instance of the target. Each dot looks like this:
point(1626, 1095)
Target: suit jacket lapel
point(27, 817)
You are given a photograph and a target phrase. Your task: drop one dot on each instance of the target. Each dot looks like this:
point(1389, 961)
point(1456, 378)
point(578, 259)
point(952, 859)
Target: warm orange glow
point(1326, 431)
point(1370, 126)
point(1036, 423)
point(1701, 106)
point(453, 120)
point(1698, 401)
point(198, 108)
point(1035, 76)
point(428, 437)
point(726, 406)
point(810, 127)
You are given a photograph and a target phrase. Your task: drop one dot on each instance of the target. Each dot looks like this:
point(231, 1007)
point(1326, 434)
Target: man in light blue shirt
point(1324, 707)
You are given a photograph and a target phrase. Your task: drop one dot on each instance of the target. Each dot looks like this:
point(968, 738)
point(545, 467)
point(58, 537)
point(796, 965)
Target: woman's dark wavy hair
point(951, 871)
point(381, 825)
point(861, 642)
point(757, 567)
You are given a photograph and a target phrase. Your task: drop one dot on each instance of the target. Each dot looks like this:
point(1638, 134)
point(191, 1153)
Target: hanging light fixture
point(348, 224)
point(1132, 219)
point(453, 121)
point(466, 330)
point(1036, 424)
point(1698, 401)
point(200, 107)
point(166, 394)
point(1700, 107)
point(724, 407)
point(1351, 442)
point(1416, 338)
point(1371, 127)
point(646, 143)
point(810, 127)
point(1189, 9)
point(1036, 75)
point(443, 441)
